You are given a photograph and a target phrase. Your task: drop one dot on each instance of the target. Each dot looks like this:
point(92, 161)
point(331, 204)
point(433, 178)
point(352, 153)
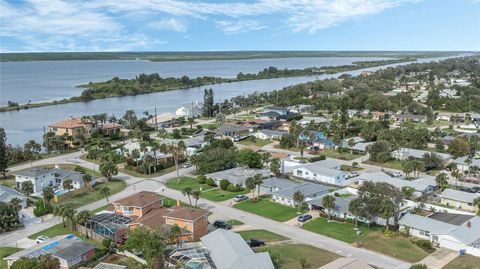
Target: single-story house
point(267, 134)
point(452, 231)
point(378, 116)
point(407, 153)
point(274, 184)
point(237, 175)
point(129, 147)
point(362, 147)
point(449, 93)
point(424, 185)
point(192, 110)
point(326, 171)
point(317, 120)
point(232, 131)
point(302, 109)
point(7, 194)
point(193, 144)
point(345, 143)
point(68, 249)
point(410, 117)
point(463, 166)
point(459, 199)
point(309, 191)
point(274, 113)
point(449, 116)
point(162, 120)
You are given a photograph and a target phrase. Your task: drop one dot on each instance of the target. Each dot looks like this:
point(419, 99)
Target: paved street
point(157, 184)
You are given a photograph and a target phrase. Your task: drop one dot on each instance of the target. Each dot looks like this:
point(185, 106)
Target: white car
point(396, 174)
point(42, 239)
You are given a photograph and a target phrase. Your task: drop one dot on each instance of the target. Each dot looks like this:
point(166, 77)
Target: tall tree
point(328, 202)
point(355, 207)
point(105, 192)
point(27, 187)
point(441, 180)
point(48, 194)
point(187, 191)
point(151, 242)
point(298, 198)
point(67, 184)
point(108, 169)
point(3, 153)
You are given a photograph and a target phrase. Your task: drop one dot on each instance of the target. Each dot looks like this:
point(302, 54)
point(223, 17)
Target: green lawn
point(262, 235)
point(398, 247)
point(137, 174)
point(234, 222)
point(465, 262)
point(255, 142)
point(169, 202)
point(349, 168)
point(187, 182)
point(60, 230)
point(88, 197)
point(291, 254)
point(337, 230)
point(268, 209)
point(393, 164)
point(9, 181)
point(6, 251)
point(339, 155)
point(218, 195)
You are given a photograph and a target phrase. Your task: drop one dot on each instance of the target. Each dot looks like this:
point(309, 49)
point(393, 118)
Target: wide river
point(49, 80)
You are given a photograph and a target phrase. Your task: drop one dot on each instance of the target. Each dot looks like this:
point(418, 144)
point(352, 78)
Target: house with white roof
point(8, 194)
point(407, 153)
point(192, 110)
point(453, 231)
point(267, 134)
point(463, 166)
point(326, 171)
point(309, 191)
point(423, 185)
point(274, 184)
point(237, 175)
point(459, 199)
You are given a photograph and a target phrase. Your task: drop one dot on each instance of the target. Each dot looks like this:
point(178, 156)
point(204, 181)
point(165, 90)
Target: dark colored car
point(221, 224)
point(255, 243)
point(304, 217)
point(476, 189)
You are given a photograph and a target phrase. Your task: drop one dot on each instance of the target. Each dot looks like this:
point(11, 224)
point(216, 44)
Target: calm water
point(24, 125)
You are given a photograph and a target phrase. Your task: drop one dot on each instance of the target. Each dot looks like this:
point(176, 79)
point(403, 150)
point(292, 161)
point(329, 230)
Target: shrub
point(419, 266)
point(42, 208)
point(336, 194)
point(211, 182)
point(234, 188)
point(388, 233)
point(202, 179)
point(224, 184)
point(424, 244)
point(317, 158)
point(354, 164)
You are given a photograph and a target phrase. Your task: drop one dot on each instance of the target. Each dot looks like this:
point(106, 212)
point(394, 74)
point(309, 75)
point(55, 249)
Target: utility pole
point(45, 139)
point(156, 125)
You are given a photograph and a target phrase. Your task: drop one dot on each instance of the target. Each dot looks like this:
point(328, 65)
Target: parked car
point(353, 174)
point(187, 165)
point(221, 224)
point(42, 239)
point(475, 189)
point(394, 174)
point(255, 243)
point(240, 198)
point(304, 217)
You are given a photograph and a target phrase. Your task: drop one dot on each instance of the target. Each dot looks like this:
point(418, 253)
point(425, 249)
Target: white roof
point(426, 224)
point(461, 161)
point(237, 175)
point(468, 232)
point(462, 196)
point(230, 251)
point(420, 184)
point(362, 146)
point(7, 194)
point(417, 153)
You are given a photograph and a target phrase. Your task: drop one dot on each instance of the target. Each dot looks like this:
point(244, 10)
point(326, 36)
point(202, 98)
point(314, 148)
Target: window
point(127, 210)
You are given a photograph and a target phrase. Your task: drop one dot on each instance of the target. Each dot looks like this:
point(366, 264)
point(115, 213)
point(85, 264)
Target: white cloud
point(171, 24)
point(240, 26)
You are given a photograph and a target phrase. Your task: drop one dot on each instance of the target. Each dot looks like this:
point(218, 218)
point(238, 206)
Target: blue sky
point(203, 25)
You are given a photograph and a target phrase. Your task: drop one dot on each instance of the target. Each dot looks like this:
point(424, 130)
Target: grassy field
point(5, 252)
point(234, 222)
point(349, 168)
point(340, 231)
point(218, 195)
point(262, 235)
point(187, 182)
point(255, 142)
point(268, 209)
point(337, 155)
point(393, 164)
point(60, 230)
point(398, 247)
point(465, 262)
point(291, 254)
point(136, 174)
point(85, 198)
point(9, 181)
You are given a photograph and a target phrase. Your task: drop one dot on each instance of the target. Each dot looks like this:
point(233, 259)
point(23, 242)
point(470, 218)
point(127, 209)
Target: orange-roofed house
point(72, 126)
point(146, 209)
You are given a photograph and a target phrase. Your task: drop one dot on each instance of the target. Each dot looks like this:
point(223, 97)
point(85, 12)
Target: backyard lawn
point(268, 209)
point(339, 155)
point(218, 195)
point(262, 235)
point(187, 182)
point(137, 174)
point(88, 197)
point(291, 254)
point(398, 247)
point(393, 164)
point(72, 167)
point(337, 230)
point(6, 251)
point(255, 142)
point(60, 230)
point(465, 262)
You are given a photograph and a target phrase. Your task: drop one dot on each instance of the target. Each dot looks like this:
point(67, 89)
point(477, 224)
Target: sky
point(214, 25)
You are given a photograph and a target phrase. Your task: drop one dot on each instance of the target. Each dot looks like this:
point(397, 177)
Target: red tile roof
point(140, 199)
point(185, 213)
point(70, 123)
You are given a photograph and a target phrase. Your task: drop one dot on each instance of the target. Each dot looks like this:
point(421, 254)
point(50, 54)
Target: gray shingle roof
point(426, 224)
point(307, 189)
point(237, 175)
point(273, 132)
point(33, 172)
point(469, 232)
point(7, 194)
point(462, 196)
point(280, 183)
point(230, 251)
point(461, 161)
point(417, 153)
point(420, 184)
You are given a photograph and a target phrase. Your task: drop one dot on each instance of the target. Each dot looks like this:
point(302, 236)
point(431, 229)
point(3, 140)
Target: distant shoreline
point(211, 56)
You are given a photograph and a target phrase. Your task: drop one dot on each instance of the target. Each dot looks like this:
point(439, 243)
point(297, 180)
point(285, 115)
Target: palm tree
point(82, 217)
point(87, 179)
point(48, 194)
point(250, 184)
point(355, 207)
point(387, 210)
point(298, 198)
point(191, 121)
point(456, 174)
point(105, 192)
point(59, 211)
point(67, 184)
point(69, 214)
point(257, 179)
point(468, 161)
point(476, 202)
point(407, 168)
point(135, 155)
point(196, 196)
point(27, 187)
point(187, 191)
point(175, 150)
point(328, 202)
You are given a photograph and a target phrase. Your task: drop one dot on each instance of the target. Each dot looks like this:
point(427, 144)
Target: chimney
point(178, 203)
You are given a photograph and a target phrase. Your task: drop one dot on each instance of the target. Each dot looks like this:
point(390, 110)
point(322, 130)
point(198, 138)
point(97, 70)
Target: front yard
point(371, 238)
point(219, 195)
point(393, 164)
point(5, 252)
point(263, 235)
point(255, 142)
point(330, 153)
point(268, 209)
point(291, 255)
point(187, 182)
point(88, 197)
point(464, 262)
